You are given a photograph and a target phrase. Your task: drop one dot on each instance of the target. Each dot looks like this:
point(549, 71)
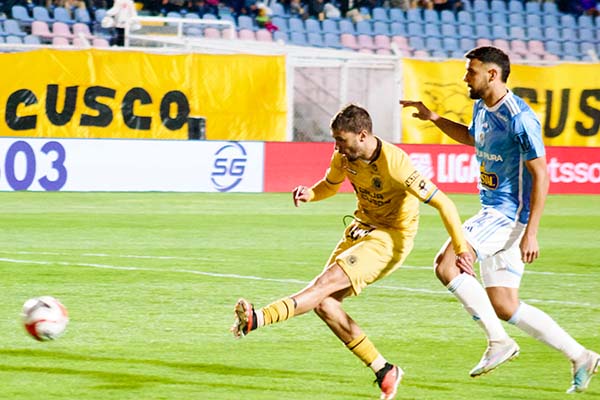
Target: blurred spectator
point(297, 10)
point(202, 7)
point(263, 19)
point(451, 5)
point(316, 9)
point(401, 4)
point(331, 11)
point(578, 7)
point(121, 12)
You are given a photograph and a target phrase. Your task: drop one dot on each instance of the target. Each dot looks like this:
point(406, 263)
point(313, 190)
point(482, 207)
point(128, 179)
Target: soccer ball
point(44, 318)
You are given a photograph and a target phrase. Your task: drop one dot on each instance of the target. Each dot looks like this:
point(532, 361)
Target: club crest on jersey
point(376, 183)
point(480, 138)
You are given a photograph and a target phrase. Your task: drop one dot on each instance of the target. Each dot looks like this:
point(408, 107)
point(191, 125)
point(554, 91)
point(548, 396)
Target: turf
point(150, 281)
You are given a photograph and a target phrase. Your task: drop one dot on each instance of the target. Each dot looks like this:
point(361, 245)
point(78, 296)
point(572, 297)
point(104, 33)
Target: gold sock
point(363, 349)
point(278, 311)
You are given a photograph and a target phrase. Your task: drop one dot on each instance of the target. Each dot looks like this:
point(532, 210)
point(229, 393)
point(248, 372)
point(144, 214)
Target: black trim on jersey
point(377, 151)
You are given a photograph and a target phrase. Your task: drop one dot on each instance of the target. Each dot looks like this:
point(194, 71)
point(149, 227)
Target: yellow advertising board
point(565, 97)
point(108, 94)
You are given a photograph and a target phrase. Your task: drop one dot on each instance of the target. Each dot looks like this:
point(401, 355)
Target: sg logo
point(229, 166)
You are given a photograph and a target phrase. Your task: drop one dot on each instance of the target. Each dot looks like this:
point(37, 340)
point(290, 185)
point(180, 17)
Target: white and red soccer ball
point(44, 318)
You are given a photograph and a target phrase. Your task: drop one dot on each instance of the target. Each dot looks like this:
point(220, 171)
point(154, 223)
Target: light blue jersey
point(506, 135)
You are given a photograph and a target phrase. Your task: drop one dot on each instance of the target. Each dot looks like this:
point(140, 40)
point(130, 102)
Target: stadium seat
point(213, 33)
point(41, 14)
point(519, 47)
point(466, 43)
point(571, 49)
point(481, 19)
point(296, 25)
point(550, 57)
point(312, 25)
point(515, 7)
point(62, 14)
point(431, 17)
point(364, 28)
point(481, 7)
point(587, 35)
point(587, 47)
point(41, 29)
point(554, 47)
point(397, 15)
point(533, 7)
point(12, 28)
point(398, 29)
point(464, 18)
point(346, 26)
point(535, 33)
point(421, 53)
point(62, 29)
point(80, 43)
point(536, 47)
point(365, 42)
point(466, 31)
point(100, 42)
point(401, 43)
point(483, 31)
point(82, 15)
point(502, 44)
point(381, 28)
point(32, 39)
point(550, 20)
point(449, 30)
point(81, 29)
point(60, 41)
point(21, 14)
point(569, 34)
point(586, 21)
point(315, 39)
point(281, 23)
point(535, 21)
point(380, 14)
point(298, 38)
point(483, 42)
point(450, 44)
point(432, 30)
point(551, 33)
point(550, 7)
point(414, 15)
point(416, 42)
point(568, 21)
point(438, 53)
point(192, 15)
point(498, 7)
point(194, 31)
point(330, 26)
point(499, 19)
point(456, 54)
point(447, 17)
point(332, 40)
point(12, 39)
point(517, 32)
point(277, 9)
point(415, 29)
point(246, 22)
point(246, 34)
point(281, 36)
point(262, 35)
point(382, 42)
point(348, 41)
point(517, 20)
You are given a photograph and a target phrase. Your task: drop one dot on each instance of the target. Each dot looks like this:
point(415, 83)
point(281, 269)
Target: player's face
point(477, 78)
point(348, 144)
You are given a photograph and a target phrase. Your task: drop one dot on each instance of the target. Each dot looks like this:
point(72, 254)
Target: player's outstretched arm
point(301, 194)
point(455, 130)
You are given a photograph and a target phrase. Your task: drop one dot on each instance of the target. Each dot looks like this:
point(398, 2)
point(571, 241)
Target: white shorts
point(496, 239)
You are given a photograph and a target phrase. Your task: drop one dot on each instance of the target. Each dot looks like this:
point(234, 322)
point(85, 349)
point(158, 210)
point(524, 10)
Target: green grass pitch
point(150, 281)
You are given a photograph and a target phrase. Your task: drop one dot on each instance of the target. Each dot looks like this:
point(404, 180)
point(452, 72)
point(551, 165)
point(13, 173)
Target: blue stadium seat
point(414, 15)
point(535, 33)
point(481, 6)
point(483, 31)
point(396, 14)
point(364, 28)
point(332, 40)
point(515, 7)
point(280, 35)
point(517, 20)
point(21, 14)
point(41, 14)
point(517, 32)
point(380, 14)
point(330, 26)
point(586, 47)
point(346, 26)
point(550, 20)
point(438, 53)
point(12, 39)
point(447, 17)
point(431, 17)
point(32, 39)
point(465, 44)
point(499, 19)
point(281, 23)
point(432, 30)
point(568, 21)
point(464, 18)
point(466, 31)
point(587, 35)
point(550, 7)
point(571, 49)
point(569, 34)
point(398, 29)
point(298, 38)
point(554, 47)
point(449, 30)
point(315, 39)
point(416, 42)
point(450, 44)
point(12, 28)
point(312, 25)
point(481, 19)
point(296, 25)
point(381, 28)
point(277, 9)
point(457, 54)
point(552, 33)
point(586, 21)
point(498, 6)
point(246, 22)
point(533, 7)
point(414, 29)
point(82, 15)
point(499, 32)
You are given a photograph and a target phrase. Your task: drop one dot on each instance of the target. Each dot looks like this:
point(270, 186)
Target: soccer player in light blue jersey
point(513, 187)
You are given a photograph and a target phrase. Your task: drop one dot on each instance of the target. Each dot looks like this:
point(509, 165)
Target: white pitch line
point(258, 278)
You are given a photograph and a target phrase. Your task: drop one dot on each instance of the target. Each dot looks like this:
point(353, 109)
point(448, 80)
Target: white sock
point(541, 326)
point(378, 363)
point(477, 303)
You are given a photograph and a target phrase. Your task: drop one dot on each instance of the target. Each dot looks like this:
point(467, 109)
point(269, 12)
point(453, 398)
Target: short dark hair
point(352, 118)
point(491, 54)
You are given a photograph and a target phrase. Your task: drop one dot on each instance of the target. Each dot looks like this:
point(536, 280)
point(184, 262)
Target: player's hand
point(530, 249)
point(464, 262)
point(301, 194)
point(422, 113)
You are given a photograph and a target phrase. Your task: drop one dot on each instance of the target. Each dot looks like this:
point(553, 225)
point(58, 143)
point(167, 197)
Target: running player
point(388, 190)
point(503, 235)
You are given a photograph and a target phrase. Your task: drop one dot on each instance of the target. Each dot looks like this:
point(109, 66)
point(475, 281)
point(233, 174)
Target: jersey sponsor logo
point(489, 156)
point(412, 178)
point(229, 166)
point(488, 179)
point(423, 188)
point(374, 198)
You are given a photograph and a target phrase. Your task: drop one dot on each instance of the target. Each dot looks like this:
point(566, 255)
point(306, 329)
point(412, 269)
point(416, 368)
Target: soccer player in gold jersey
point(388, 189)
